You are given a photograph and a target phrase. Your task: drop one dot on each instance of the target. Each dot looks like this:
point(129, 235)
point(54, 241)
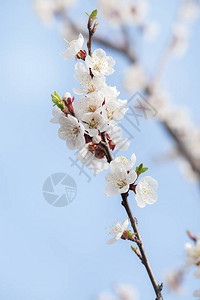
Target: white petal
point(109, 190)
point(140, 201)
point(123, 144)
point(131, 177)
point(124, 189)
point(117, 168)
point(125, 224)
point(133, 159)
point(111, 241)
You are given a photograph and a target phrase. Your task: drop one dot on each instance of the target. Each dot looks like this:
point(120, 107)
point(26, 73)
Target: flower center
point(93, 123)
point(97, 68)
point(76, 130)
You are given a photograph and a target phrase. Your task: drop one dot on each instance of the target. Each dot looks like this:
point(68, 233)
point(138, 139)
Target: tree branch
point(138, 240)
point(144, 259)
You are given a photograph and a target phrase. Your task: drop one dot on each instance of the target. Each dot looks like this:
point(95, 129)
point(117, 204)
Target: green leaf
point(140, 167)
point(93, 14)
point(144, 170)
point(61, 106)
point(130, 235)
point(57, 100)
point(56, 94)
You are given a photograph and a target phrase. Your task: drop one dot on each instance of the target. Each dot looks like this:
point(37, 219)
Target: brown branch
point(106, 148)
point(138, 240)
point(144, 259)
point(91, 31)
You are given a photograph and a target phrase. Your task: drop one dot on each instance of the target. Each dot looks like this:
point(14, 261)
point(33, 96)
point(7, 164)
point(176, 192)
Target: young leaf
point(144, 170)
point(93, 14)
point(133, 249)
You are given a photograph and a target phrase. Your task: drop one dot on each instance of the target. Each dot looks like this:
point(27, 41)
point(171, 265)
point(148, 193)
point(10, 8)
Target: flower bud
point(66, 96)
point(96, 139)
point(81, 54)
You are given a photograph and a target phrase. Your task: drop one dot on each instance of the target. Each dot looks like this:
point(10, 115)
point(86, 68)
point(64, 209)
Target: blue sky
point(50, 253)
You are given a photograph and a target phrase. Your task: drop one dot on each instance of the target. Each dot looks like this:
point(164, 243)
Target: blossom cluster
point(179, 121)
point(89, 124)
point(122, 178)
point(94, 115)
point(193, 259)
point(129, 13)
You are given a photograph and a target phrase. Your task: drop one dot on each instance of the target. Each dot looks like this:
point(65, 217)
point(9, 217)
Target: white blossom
point(180, 39)
point(57, 114)
point(99, 63)
point(128, 165)
point(146, 191)
point(189, 10)
point(94, 122)
point(109, 92)
point(134, 78)
point(117, 231)
point(193, 253)
point(72, 131)
point(115, 110)
point(137, 12)
point(88, 104)
point(118, 180)
point(73, 48)
point(89, 84)
point(115, 134)
point(88, 159)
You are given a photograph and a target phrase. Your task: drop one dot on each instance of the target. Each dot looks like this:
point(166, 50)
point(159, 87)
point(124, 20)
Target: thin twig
point(91, 32)
point(145, 261)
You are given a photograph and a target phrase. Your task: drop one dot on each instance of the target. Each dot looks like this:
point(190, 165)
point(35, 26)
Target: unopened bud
point(66, 96)
point(81, 54)
point(96, 139)
point(95, 27)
